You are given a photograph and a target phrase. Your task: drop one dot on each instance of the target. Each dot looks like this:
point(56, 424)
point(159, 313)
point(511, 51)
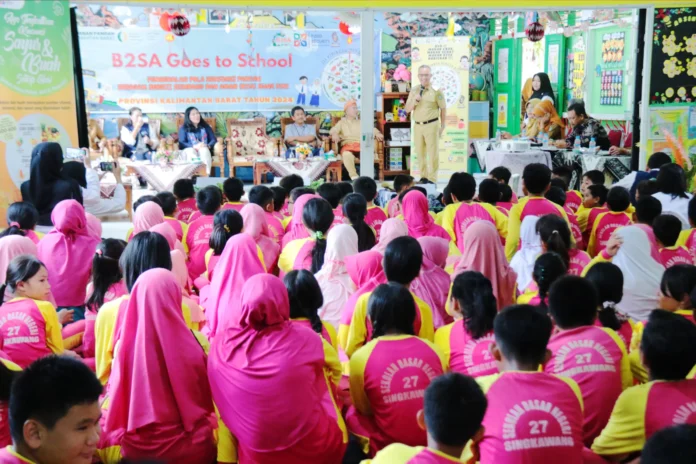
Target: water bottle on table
point(593, 144)
point(576, 144)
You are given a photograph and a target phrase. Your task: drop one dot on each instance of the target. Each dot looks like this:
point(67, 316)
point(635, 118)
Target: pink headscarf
point(334, 281)
point(268, 381)
point(159, 372)
point(420, 223)
point(67, 252)
point(94, 225)
point(181, 273)
point(484, 253)
point(433, 283)
point(167, 231)
point(256, 225)
point(366, 271)
point(296, 228)
point(12, 246)
point(391, 229)
point(149, 214)
point(238, 262)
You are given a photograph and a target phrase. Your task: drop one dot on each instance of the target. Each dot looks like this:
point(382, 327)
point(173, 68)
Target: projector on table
point(515, 145)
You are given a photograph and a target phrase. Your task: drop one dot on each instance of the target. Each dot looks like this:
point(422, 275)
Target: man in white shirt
point(91, 194)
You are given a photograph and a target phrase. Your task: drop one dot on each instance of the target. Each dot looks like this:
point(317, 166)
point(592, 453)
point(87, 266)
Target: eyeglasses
point(424, 75)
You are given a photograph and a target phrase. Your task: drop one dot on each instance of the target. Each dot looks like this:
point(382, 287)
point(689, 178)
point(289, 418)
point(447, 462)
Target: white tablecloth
point(515, 161)
point(310, 169)
point(162, 178)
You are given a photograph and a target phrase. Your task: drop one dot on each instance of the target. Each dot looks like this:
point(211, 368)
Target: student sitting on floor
point(667, 229)
point(573, 197)
point(555, 236)
point(233, 189)
point(265, 198)
point(608, 280)
point(594, 199)
point(402, 182)
point(558, 195)
point(687, 237)
point(671, 445)
point(170, 210)
point(454, 407)
point(503, 176)
point(605, 224)
point(505, 202)
point(22, 217)
point(208, 201)
point(669, 353)
point(367, 187)
point(185, 198)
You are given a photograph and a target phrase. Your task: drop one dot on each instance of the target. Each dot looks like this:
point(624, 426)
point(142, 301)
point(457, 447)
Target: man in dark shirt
point(584, 127)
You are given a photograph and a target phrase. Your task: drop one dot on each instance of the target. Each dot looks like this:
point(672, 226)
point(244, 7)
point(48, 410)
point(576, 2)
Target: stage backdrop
point(37, 95)
point(218, 70)
point(448, 58)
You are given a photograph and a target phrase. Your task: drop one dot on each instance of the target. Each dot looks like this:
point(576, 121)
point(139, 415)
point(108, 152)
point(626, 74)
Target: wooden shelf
point(394, 95)
point(395, 173)
point(387, 145)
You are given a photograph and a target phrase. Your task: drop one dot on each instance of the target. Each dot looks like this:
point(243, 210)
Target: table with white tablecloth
point(514, 161)
point(162, 177)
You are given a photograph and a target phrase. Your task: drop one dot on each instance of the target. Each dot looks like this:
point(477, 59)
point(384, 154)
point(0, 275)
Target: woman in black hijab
point(541, 84)
point(47, 186)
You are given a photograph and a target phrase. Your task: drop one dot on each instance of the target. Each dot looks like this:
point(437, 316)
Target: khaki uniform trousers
point(426, 144)
point(349, 163)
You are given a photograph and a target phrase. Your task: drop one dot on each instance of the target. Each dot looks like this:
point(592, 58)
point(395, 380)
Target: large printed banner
point(37, 95)
point(218, 70)
point(448, 58)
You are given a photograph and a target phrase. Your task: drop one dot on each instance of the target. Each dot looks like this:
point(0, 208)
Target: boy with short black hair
point(645, 188)
point(573, 197)
point(536, 179)
point(523, 395)
point(505, 198)
point(603, 371)
point(671, 445)
point(454, 406)
point(618, 201)
point(489, 191)
point(54, 413)
point(289, 183)
point(331, 192)
point(186, 199)
point(402, 182)
point(647, 209)
point(668, 352)
point(208, 200)
point(593, 177)
point(234, 191)
point(667, 229)
point(503, 176)
point(264, 197)
point(280, 196)
point(558, 195)
point(687, 238)
point(367, 187)
point(169, 207)
point(594, 200)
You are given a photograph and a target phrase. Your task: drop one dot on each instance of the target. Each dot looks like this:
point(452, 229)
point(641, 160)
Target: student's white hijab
point(336, 285)
point(530, 249)
point(641, 273)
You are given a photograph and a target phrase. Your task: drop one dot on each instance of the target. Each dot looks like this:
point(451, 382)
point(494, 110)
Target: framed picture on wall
point(218, 17)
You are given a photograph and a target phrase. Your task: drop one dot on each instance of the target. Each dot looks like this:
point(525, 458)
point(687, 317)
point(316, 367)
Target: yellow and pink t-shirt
point(464, 353)
point(235, 205)
point(8, 455)
point(197, 239)
point(642, 410)
point(185, 209)
point(397, 453)
point(388, 378)
point(5, 437)
point(573, 200)
point(578, 261)
point(687, 238)
point(29, 330)
point(275, 227)
point(603, 227)
point(586, 218)
point(597, 360)
point(375, 218)
point(678, 254)
point(575, 228)
point(456, 218)
point(179, 227)
point(527, 206)
point(532, 417)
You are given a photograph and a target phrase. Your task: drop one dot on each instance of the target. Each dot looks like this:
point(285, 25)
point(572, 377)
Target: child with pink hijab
point(391, 229)
point(160, 404)
point(295, 229)
point(238, 262)
point(390, 373)
point(196, 239)
point(67, 253)
point(433, 283)
point(273, 382)
point(466, 342)
point(256, 225)
point(148, 215)
point(484, 253)
point(334, 281)
point(419, 222)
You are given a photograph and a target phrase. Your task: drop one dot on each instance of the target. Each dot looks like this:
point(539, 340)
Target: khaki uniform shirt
point(348, 130)
point(429, 107)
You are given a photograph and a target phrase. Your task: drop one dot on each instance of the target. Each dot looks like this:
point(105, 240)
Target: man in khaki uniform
point(427, 105)
point(346, 134)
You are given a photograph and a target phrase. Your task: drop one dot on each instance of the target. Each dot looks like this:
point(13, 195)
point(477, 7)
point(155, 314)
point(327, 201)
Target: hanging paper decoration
point(535, 31)
point(450, 26)
point(179, 24)
point(300, 21)
point(169, 37)
point(344, 27)
point(164, 22)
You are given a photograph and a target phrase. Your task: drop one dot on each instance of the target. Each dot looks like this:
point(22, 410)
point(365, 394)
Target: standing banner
point(448, 58)
point(37, 91)
point(218, 70)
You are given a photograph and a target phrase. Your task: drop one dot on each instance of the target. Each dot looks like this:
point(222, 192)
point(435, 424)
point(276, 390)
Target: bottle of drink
point(576, 144)
point(593, 144)
point(498, 136)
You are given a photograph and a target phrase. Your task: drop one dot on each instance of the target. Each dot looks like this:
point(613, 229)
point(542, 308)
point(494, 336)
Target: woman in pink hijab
point(238, 262)
point(67, 252)
point(433, 283)
point(148, 214)
point(256, 225)
point(484, 253)
point(274, 381)
point(420, 223)
point(365, 269)
point(296, 228)
point(334, 281)
point(391, 229)
point(160, 405)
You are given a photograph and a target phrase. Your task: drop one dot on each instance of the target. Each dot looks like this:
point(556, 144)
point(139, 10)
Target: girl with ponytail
point(107, 277)
point(226, 224)
point(392, 313)
point(306, 298)
point(466, 342)
point(22, 218)
point(608, 280)
point(555, 237)
point(355, 210)
point(317, 217)
point(548, 268)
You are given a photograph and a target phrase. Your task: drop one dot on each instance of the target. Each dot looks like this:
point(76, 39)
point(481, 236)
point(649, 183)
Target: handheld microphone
point(421, 91)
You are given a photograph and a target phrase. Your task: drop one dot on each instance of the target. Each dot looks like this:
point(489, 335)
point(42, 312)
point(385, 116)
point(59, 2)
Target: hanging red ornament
point(535, 31)
point(164, 21)
point(179, 24)
point(345, 28)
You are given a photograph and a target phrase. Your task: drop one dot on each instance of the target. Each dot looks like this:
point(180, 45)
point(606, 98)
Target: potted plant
point(402, 76)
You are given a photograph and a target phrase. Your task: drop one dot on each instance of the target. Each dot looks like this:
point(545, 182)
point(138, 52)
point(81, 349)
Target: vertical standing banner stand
point(367, 123)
